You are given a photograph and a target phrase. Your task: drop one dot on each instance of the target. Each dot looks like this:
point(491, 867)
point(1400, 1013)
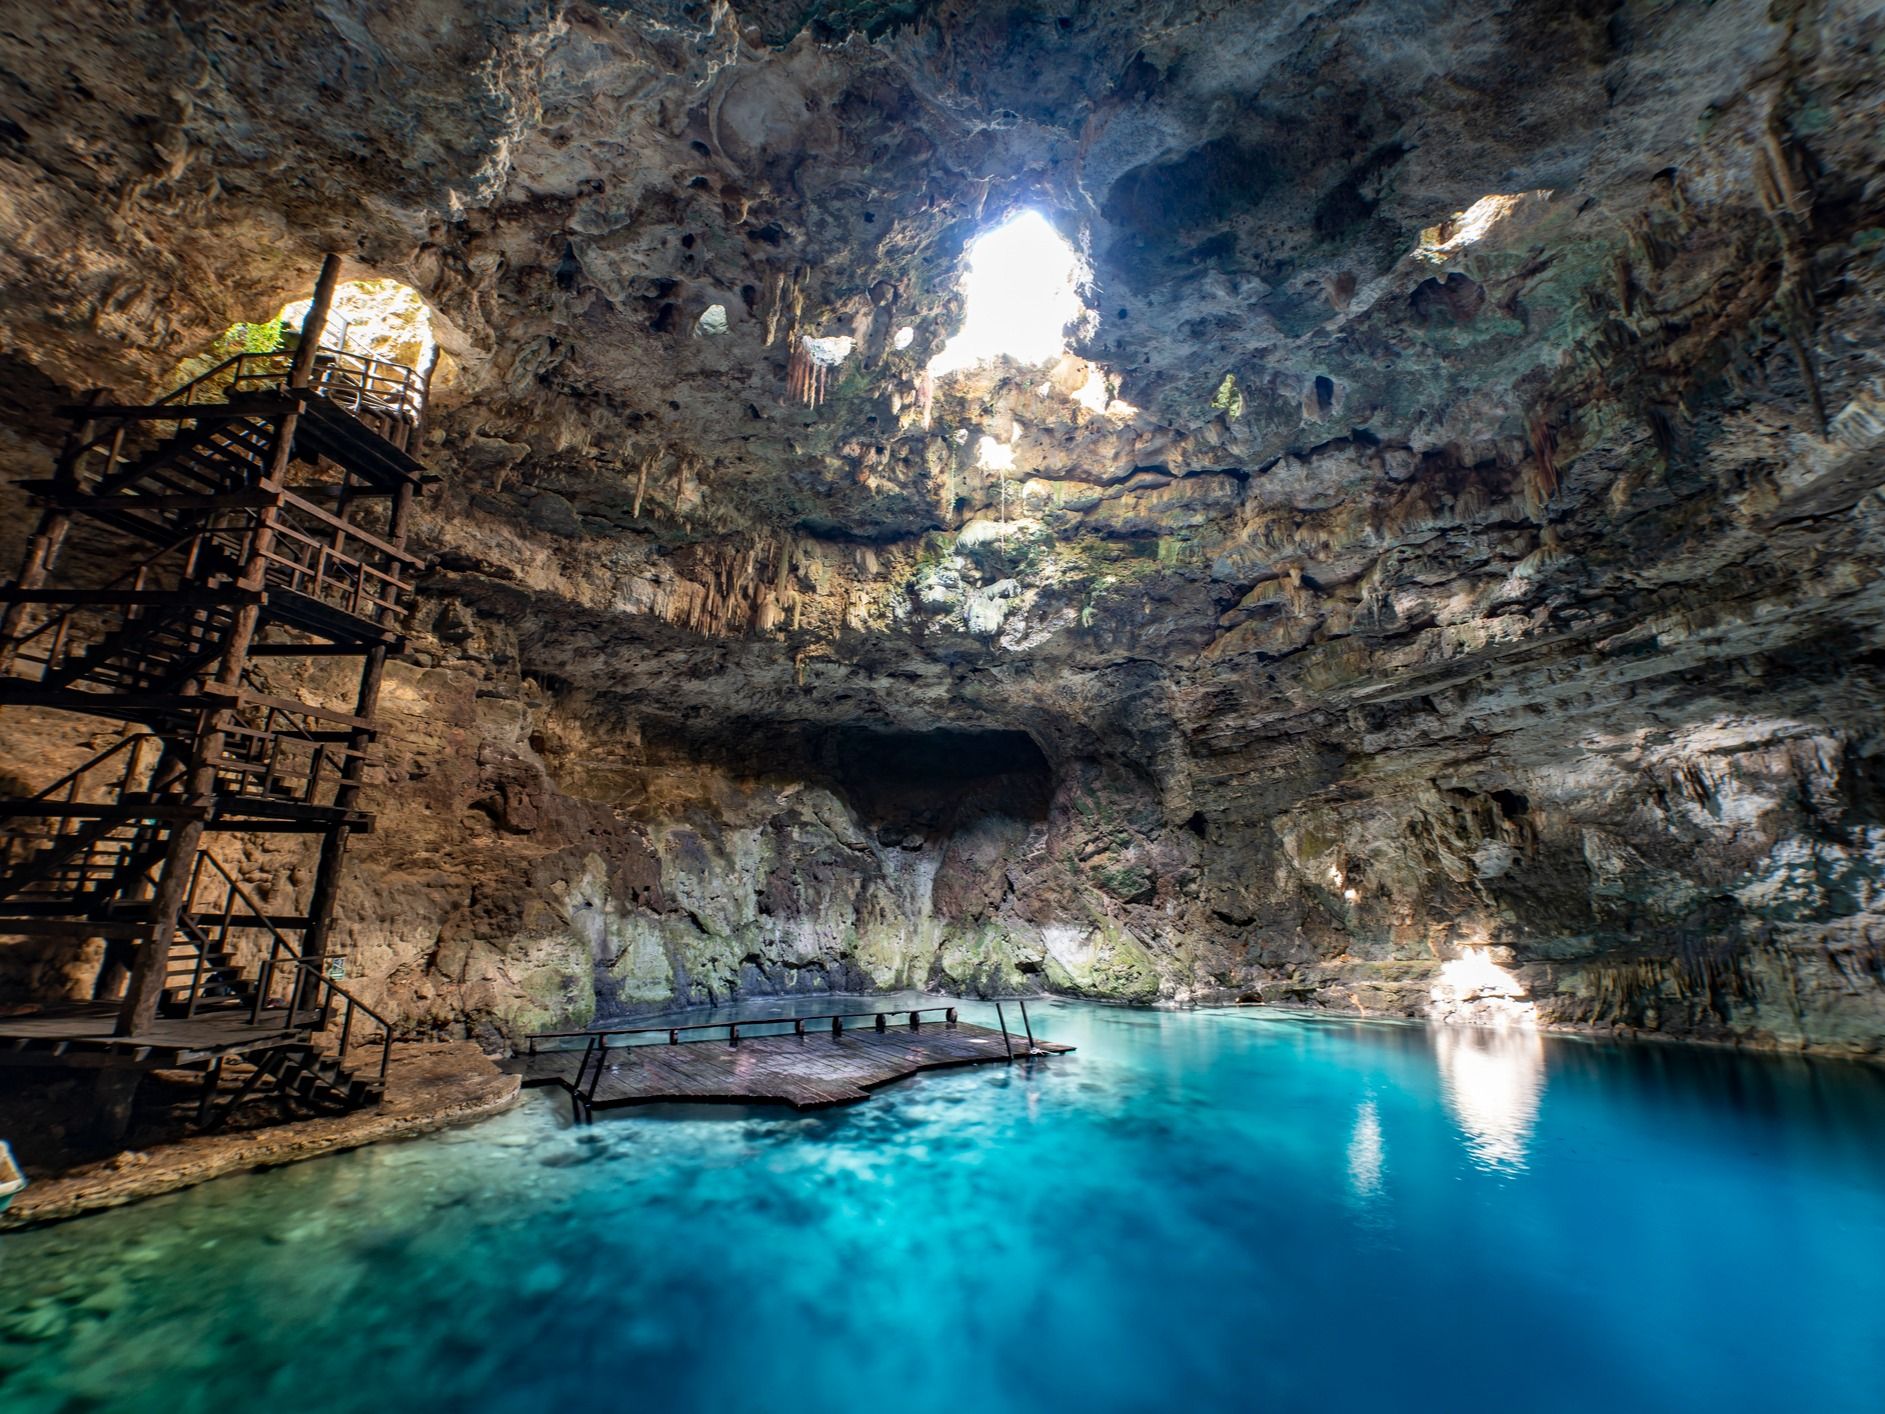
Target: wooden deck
point(83, 1035)
point(807, 1071)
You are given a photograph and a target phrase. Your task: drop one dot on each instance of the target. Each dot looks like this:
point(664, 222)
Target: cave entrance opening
point(381, 318)
point(1021, 291)
point(376, 318)
point(1022, 301)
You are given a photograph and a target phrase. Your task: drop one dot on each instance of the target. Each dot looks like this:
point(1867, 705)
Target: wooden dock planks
point(86, 1035)
point(806, 1072)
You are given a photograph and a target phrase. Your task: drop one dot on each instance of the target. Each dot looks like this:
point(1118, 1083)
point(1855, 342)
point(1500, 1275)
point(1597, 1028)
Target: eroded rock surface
point(1474, 544)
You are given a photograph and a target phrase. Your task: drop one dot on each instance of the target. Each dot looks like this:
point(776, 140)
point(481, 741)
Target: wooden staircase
point(255, 514)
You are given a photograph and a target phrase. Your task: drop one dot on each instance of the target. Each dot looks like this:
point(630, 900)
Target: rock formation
point(1464, 544)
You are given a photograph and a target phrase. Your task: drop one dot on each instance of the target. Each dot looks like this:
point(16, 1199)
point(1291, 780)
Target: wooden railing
point(128, 761)
point(209, 919)
point(317, 991)
point(209, 922)
point(72, 836)
point(597, 1047)
point(93, 865)
point(86, 617)
point(358, 382)
point(311, 552)
point(234, 443)
point(365, 385)
point(272, 752)
point(376, 390)
point(324, 557)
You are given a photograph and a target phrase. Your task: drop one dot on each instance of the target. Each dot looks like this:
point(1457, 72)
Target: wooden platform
point(807, 1072)
point(83, 1035)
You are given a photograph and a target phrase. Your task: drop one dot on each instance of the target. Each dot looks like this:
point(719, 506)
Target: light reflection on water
point(1494, 1081)
point(1364, 1152)
point(1220, 1210)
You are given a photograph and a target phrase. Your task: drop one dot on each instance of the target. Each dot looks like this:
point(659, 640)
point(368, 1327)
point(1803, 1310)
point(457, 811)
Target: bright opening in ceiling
point(379, 317)
point(1021, 296)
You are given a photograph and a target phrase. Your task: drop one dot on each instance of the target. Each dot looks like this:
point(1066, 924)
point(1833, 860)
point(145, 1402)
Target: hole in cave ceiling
point(1452, 236)
point(1020, 293)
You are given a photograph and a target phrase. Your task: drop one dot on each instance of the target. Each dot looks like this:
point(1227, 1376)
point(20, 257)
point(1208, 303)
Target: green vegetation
point(1229, 400)
point(265, 337)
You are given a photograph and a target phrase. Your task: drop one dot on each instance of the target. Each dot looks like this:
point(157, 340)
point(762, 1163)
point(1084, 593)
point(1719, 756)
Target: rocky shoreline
point(431, 1085)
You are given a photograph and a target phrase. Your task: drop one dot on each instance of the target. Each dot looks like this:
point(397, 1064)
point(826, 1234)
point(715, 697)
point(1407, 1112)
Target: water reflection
point(1493, 1080)
point(1364, 1153)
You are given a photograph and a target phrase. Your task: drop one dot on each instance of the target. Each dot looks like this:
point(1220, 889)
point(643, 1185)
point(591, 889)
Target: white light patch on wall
point(830, 352)
point(904, 338)
point(994, 456)
point(1021, 296)
point(1440, 243)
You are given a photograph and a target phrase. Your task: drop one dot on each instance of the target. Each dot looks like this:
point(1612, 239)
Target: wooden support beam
point(315, 323)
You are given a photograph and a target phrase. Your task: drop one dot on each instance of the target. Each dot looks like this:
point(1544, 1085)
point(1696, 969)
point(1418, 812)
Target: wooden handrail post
point(588, 1051)
point(1002, 1017)
point(1027, 1025)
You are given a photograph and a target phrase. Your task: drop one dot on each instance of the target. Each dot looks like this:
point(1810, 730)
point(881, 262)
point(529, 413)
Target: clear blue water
point(1219, 1210)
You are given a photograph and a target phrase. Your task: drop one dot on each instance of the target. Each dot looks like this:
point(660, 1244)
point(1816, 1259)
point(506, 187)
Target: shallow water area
point(1226, 1209)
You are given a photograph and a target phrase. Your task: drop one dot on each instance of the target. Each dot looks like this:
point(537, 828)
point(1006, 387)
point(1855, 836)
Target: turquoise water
point(1220, 1210)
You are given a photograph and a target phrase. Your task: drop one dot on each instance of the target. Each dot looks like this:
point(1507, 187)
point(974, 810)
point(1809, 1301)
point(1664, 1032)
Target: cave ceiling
point(1348, 423)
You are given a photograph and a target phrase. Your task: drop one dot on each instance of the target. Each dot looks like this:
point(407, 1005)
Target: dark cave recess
point(921, 781)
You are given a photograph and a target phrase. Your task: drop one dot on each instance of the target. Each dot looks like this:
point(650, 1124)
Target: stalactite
point(807, 379)
point(798, 374)
point(775, 305)
point(641, 483)
point(1541, 476)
